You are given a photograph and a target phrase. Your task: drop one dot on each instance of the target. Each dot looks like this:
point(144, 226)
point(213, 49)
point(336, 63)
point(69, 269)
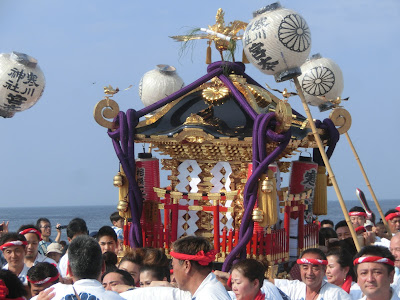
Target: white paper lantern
point(321, 80)
point(158, 84)
point(277, 41)
point(21, 83)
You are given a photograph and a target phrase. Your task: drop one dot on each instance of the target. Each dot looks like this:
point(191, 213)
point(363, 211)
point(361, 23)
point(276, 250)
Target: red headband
point(360, 229)
point(46, 280)
point(377, 259)
point(202, 258)
point(397, 208)
point(312, 261)
point(357, 213)
point(13, 243)
point(392, 215)
point(31, 230)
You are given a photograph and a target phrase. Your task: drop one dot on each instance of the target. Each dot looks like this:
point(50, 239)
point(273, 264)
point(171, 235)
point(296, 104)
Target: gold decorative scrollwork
point(341, 118)
point(106, 109)
point(284, 116)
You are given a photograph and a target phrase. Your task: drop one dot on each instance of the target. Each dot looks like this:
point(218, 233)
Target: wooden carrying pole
point(368, 183)
point(327, 164)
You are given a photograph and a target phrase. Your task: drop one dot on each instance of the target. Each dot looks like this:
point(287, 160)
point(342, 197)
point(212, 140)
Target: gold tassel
point(208, 57)
point(320, 206)
point(244, 58)
point(267, 199)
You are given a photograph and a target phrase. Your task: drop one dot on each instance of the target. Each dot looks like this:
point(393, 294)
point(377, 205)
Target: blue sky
point(56, 154)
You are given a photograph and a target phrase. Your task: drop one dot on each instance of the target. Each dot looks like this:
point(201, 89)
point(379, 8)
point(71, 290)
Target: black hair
point(326, 221)
point(41, 271)
point(347, 244)
point(12, 236)
point(342, 223)
point(192, 245)
point(107, 231)
point(42, 220)
point(357, 208)
point(15, 287)
point(316, 251)
point(76, 226)
point(380, 251)
point(85, 258)
point(251, 269)
point(390, 211)
point(110, 260)
point(115, 217)
point(126, 277)
point(344, 259)
point(155, 271)
point(326, 233)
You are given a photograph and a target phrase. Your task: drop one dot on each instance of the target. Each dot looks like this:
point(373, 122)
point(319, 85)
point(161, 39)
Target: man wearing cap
point(374, 266)
point(13, 246)
point(54, 251)
point(33, 237)
point(313, 286)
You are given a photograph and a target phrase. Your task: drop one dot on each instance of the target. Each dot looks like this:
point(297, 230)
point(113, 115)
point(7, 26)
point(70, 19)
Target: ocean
point(98, 216)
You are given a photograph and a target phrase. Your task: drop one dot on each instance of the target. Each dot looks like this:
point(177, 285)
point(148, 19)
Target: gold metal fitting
point(118, 181)
point(258, 215)
point(267, 185)
point(122, 205)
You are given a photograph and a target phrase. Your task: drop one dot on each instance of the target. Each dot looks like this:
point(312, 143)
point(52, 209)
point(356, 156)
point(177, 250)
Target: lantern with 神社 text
point(158, 84)
point(321, 80)
point(21, 83)
point(277, 41)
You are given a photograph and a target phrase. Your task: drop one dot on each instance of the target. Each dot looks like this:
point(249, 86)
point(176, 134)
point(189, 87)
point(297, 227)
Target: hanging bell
point(118, 182)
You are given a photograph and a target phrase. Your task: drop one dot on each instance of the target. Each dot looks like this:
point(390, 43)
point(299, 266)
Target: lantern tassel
point(244, 58)
point(208, 57)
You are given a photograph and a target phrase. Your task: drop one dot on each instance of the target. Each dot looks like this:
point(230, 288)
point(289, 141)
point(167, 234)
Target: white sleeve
point(270, 291)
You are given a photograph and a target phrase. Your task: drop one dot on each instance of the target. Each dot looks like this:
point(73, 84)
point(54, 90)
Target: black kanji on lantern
point(17, 74)
point(10, 85)
point(31, 79)
point(14, 101)
point(259, 54)
point(266, 64)
point(257, 51)
point(309, 178)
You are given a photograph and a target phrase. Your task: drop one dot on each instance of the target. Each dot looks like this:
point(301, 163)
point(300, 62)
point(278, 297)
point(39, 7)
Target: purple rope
point(238, 95)
point(260, 164)
point(334, 137)
point(181, 92)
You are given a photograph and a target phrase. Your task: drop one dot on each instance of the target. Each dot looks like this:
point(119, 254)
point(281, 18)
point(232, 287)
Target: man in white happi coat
point(13, 246)
point(33, 237)
point(313, 286)
point(192, 258)
point(374, 266)
point(85, 267)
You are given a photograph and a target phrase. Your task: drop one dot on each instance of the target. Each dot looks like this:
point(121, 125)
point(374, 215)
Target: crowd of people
point(94, 266)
